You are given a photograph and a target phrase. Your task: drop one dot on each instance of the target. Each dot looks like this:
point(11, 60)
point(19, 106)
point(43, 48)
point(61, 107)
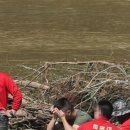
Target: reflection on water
point(46, 30)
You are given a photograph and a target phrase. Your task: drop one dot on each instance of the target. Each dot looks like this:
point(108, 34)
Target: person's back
point(102, 115)
point(81, 117)
point(7, 86)
point(98, 124)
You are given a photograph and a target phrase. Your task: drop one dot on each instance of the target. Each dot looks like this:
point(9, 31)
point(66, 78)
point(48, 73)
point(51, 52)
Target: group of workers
point(74, 119)
point(64, 113)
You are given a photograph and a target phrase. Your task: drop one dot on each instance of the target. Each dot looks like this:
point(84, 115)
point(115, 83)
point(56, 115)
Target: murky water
point(62, 30)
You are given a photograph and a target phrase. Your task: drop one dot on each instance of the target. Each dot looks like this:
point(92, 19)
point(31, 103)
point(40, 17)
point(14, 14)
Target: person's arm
point(13, 89)
point(50, 126)
point(76, 127)
point(61, 114)
point(81, 128)
point(67, 126)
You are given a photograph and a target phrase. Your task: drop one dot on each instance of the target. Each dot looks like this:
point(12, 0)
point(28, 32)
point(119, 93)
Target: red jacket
point(7, 86)
point(125, 125)
point(98, 124)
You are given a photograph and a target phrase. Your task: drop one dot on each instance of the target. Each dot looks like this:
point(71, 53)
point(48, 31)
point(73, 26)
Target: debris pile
point(83, 83)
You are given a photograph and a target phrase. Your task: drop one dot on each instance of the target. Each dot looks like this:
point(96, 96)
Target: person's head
point(65, 105)
point(121, 110)
point(103, 109)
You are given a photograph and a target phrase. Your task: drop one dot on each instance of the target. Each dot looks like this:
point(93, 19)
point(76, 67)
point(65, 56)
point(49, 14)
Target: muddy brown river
point(34, 31)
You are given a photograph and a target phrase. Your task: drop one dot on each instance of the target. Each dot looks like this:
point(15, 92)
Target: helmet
point(121, 108)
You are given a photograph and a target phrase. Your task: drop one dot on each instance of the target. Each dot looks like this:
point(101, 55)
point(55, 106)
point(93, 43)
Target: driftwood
point(31, 84)
point(21, 113)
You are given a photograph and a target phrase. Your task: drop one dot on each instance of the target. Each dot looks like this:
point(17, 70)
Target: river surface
point(34, 31)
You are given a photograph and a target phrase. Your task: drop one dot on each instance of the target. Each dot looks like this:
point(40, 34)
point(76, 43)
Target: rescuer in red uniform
point(7, 86)
point(102, 115)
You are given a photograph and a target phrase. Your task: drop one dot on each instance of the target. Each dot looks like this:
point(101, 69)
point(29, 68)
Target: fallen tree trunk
point(31, 84)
